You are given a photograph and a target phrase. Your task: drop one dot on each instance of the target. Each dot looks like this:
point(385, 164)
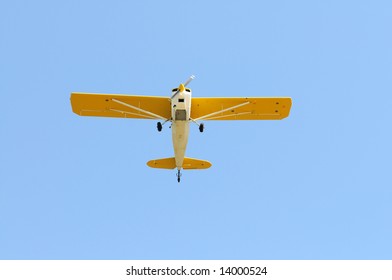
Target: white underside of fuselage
point(181, 110)
point(180, 134)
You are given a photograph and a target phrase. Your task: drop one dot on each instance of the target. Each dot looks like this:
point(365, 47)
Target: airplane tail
point(170, 163)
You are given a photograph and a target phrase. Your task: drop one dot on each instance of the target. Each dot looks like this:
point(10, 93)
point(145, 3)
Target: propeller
point(182, 86)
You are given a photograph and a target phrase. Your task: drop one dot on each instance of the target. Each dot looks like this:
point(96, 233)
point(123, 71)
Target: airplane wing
point(240, 108)
point(121, 106)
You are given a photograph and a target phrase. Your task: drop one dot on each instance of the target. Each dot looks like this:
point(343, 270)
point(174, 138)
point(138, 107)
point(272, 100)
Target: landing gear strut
point(159, 126)
point(178, 176)
point(201, 127)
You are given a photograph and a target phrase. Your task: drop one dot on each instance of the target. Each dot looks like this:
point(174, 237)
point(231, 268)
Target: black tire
point(159, 126)
point(201, 127)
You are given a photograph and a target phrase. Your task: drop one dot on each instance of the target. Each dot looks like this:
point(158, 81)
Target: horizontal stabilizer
point(170, 163)
point(165, 163)
point(193, 163)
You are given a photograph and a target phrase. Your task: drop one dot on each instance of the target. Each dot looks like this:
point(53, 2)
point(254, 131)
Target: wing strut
point(138, 109)
point(231, 115)
point(221, 111)
point(133, 114)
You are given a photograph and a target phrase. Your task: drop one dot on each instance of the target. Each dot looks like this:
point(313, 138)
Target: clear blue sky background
point(316, 185)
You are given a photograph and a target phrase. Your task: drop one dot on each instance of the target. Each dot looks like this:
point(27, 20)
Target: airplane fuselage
point(181, 112)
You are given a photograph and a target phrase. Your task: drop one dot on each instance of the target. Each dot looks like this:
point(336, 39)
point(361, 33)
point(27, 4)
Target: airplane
point(180, 110)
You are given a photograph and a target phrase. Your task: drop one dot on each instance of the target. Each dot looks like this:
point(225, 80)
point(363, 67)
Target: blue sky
point(316, 185)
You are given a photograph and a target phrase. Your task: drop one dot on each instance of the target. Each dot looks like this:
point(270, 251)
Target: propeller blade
point(182, 86)
point(189, 80)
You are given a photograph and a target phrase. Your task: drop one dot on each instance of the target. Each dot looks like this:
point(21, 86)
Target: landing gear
point(201, 127)
point(159, 126)
point(178, 176)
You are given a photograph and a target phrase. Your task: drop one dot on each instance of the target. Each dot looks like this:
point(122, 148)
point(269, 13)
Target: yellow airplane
point(180, 109)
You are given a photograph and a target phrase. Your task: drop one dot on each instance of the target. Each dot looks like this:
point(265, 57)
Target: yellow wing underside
point(240, 108)
point(120, 106)
point(202, 108)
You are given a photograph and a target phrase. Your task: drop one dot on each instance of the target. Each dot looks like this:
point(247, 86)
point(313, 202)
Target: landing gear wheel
point(178, 176)
point(159, 126)
point(201, 127)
